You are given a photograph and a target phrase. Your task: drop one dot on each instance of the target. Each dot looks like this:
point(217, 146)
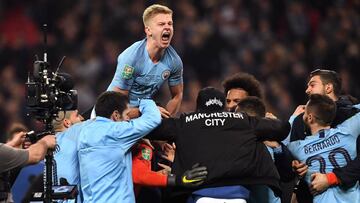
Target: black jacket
point(228, 144)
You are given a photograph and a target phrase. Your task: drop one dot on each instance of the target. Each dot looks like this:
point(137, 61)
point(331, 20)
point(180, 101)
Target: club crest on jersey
point(165, 74)
point(145, 154)
point(127, 72)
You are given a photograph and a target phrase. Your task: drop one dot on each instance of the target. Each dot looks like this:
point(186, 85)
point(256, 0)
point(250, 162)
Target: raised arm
point(135, 129)
point(297, 131)
point(12, 157)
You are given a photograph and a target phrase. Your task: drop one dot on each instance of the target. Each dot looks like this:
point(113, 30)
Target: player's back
point(328, 149)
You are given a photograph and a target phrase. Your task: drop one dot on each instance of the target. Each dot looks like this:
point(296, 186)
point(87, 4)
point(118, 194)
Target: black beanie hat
point(210, 99)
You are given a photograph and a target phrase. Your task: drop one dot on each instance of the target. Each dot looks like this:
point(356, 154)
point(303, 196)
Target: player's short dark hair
point(253, 106)
point(210, 99)
point(323, 108)
point(329, 76)
point(243, 81)
point(110, 101)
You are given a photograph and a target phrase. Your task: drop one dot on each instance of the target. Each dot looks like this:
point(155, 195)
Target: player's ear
point(67, 123)
point(329, 88)
point(115, 116)
point(147, 30)
point(311, 118)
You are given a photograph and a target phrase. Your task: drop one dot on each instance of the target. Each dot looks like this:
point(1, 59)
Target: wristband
point(332, 179)
point(171, 180)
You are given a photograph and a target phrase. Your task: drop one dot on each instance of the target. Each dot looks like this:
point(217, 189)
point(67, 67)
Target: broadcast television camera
point(47, 94)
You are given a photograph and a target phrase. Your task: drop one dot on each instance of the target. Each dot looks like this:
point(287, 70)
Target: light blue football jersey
point(66, 157)
point(104, 154)
point(137, 73)
point(329, 149)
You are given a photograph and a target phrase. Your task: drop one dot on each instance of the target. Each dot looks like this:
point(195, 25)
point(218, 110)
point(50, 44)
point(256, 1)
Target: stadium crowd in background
point(279, 42)
point(271, 47)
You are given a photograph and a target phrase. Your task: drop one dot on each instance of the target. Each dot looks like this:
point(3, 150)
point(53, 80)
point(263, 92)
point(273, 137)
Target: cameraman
point(12, 157)
point(7, 178)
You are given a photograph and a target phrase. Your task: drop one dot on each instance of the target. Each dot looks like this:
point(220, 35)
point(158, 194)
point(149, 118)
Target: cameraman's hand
point(17, 140)
point(49, 140)
point(194, 177)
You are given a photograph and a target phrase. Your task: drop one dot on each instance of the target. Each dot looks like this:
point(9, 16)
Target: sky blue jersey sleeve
point(351, 125)
point(176, 75)
point(130, 132)
point(124, 74)
point(286, 141)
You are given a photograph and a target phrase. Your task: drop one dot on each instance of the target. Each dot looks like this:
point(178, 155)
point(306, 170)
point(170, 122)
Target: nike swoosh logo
point(184, 180)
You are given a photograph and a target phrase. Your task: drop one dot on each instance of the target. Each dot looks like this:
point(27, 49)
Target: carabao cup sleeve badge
point(145, 153)
point(127, 72)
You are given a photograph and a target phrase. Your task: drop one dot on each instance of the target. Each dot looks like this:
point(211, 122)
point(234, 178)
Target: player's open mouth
point(165, 36)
